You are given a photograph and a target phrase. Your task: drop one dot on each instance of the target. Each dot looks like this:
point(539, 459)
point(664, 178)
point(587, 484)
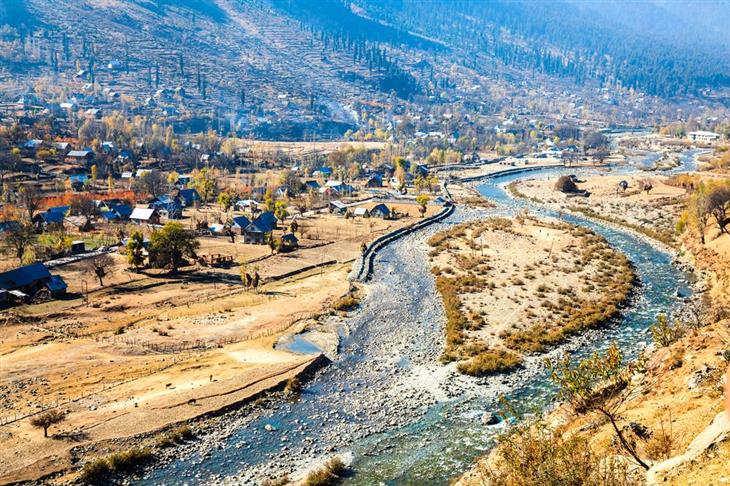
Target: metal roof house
point(240, 223)
point(189, 197)
point(145, 216)
point(34, 281)
point(80, 155)
point(380, 211)
point(257, 232)
point(6, 226)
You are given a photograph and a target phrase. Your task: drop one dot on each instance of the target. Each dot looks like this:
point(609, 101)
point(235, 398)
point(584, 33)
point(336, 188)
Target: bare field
point(150, 349)
point(513, 287)
point(654, 213)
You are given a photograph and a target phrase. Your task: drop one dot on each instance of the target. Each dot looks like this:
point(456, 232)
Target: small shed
point(361, 212)
point(78, 246)
point(289, 242)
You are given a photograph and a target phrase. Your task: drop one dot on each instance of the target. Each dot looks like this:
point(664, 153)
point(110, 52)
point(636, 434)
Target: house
point(244, 204)
point(32, 280)
point(337, 187)
point(284, 191)
point(77, 181)
point(289, 242)
point(361, 212)
point(380, 211)
point(311, 185)
point(168, 206)
point(260, 229)
point(337, 207)
point(34, 144)
point(123, 211)
point(374, 181)
point(62, 148)
point(240, 223)
point(703, 136)
point(80, 156)
point(117, 212)
point(49, 218)
point(145, 216)
point(188, 197)
point(325, 172)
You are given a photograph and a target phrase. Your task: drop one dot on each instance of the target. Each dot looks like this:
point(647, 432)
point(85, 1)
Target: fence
point(364, 265)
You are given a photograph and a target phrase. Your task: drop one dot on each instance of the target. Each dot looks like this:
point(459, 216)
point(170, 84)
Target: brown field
point(150, 349)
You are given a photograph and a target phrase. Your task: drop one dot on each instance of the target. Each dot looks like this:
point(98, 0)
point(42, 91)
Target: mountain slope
point(263, 62)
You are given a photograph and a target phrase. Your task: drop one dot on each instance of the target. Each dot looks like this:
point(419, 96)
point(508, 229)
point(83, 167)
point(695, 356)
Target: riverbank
point(674, 399)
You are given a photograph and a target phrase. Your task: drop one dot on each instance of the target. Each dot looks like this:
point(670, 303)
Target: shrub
point(490, 362)
point(329, 474)
point(176, 436)
point(566, 184)
point(345, 303)
point(531, 454)
point(293, 385)
point(98, 470)
point(663, 333)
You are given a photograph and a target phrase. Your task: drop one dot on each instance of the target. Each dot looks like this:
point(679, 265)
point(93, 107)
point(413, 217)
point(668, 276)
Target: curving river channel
point(385, 400)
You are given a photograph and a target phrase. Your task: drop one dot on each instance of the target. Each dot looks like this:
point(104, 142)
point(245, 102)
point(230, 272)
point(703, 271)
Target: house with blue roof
point(322, 171)
point(49, 219)
point(240, 223)
point(32, 281)
point(260, 229)
point(188, 197)
point(117, 212)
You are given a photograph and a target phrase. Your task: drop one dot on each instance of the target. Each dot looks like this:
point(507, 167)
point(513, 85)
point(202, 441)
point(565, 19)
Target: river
point(386, 401)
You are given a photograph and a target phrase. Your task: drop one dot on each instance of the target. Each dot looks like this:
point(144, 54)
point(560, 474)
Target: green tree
point(135, 247)
point(226, 200)
point(596, 384)
point(19, 240)
point(171, 245)
point(269, 200)
point(204, 184)
point(280, 210)
point(422, 201)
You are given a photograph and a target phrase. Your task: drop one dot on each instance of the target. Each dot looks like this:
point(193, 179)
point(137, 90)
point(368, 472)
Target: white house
point(703, 136)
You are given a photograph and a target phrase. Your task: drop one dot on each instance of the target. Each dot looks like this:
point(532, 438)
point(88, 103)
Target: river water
point(386, 401)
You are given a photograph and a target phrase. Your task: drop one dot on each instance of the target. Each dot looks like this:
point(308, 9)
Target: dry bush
point(330, 474)
point(531, 454)
point(490, 362)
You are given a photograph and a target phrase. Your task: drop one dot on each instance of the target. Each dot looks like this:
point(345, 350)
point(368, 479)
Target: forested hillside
point(559, 38)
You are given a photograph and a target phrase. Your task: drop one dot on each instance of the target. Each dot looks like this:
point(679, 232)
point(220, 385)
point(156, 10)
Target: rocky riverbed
point(385, 400)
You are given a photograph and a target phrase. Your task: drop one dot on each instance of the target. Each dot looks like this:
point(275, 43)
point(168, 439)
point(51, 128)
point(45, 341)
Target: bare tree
point(29, 197)
point(46, 419)
point(718, 203)
point(99, 265)
point(84, 205)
